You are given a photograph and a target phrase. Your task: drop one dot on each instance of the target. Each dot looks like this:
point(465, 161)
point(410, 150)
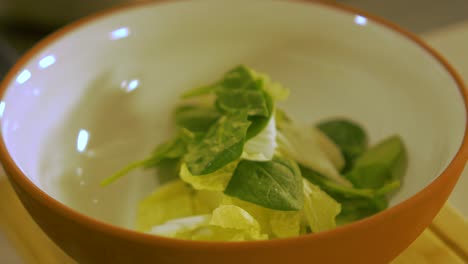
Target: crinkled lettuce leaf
point(215, 181)
point(234, 217)
point(276, 90)
point(170, 201)
point(301, 143)
point(262, 147)
point(320, 210)
point(274, 223)
point(175, 200)
point(178, 228)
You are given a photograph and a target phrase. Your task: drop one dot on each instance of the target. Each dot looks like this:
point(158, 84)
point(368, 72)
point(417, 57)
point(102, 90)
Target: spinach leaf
point(222, 144)
point(390, 154)
point(348, 136)
point(249, 98)
point(240, 90)
point(275, 184)
point(173, 149)
point(167, 170)
point(372, 176)
point(199, 91)
point(355, 203)
point(196, 118)
point(258, 123)
point(235, 78)
point(344, 192)
point(332, 188)
point(356, 209)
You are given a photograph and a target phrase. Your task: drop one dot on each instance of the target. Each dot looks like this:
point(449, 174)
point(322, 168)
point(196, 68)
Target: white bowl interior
point(101, 96)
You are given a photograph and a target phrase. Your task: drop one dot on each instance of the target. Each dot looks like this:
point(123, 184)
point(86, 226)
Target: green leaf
point(196, 118)
point(334, 189)
point(222, 144)
point(177, 228)
point(172, 149)
point(388, 188)
point(237, 78)
point(389, 154)
point(356, 203)
point(199, 91)
point(348, 135)
point(124, 171)
point(241, 91)
point(308, 147)
point(372, 176)
point(249, 98)
point(281, 117)
point(274, 89)
point(167, 170)
point(263, 146)
point(320, 209)
point(275, 184)
point(285, 223)
point(234, 217)
point(260, 122)
point(215, 181)
point(359, 208)
point(274, 223)
point(170, 201)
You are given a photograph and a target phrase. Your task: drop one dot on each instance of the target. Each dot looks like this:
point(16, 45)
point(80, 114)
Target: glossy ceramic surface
point(98, 94)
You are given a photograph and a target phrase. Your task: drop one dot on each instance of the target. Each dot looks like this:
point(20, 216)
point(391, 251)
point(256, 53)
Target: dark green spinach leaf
point(389, 154)
point(222, 144)
point(275, 184)
point(372, 176)
point(172, 149)
point(356, 203)
point(348, 136)
point(240, 90)
point(356, 209)
point(196, 118)
point(332, 188)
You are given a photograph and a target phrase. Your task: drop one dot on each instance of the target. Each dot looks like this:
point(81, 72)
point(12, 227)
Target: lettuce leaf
point(262, 147)
point(274, 223)
point(274, 89)
point(234, 217)
point(178, 228)
point(300, 144)
point(215, 181)
point(320, 209)
point(170, 201)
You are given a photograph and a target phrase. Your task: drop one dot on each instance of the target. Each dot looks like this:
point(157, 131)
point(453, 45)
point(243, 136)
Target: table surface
point(442, 237)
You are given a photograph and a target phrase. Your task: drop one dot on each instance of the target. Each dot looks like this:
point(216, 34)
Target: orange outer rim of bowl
point(21, 179)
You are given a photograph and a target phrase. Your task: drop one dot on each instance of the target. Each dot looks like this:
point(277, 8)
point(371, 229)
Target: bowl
point(97, 94)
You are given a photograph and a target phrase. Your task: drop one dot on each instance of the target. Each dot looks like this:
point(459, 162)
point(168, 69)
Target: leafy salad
point(240, 169)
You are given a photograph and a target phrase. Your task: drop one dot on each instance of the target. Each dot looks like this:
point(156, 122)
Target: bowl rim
point(16, 175)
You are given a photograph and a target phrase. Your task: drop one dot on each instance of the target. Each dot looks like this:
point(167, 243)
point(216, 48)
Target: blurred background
point(24, 22)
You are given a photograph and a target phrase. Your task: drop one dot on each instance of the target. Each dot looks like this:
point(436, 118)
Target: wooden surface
point(445, 242)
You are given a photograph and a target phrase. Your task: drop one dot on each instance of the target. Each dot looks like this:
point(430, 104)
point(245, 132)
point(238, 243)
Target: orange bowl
point(64, 103)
